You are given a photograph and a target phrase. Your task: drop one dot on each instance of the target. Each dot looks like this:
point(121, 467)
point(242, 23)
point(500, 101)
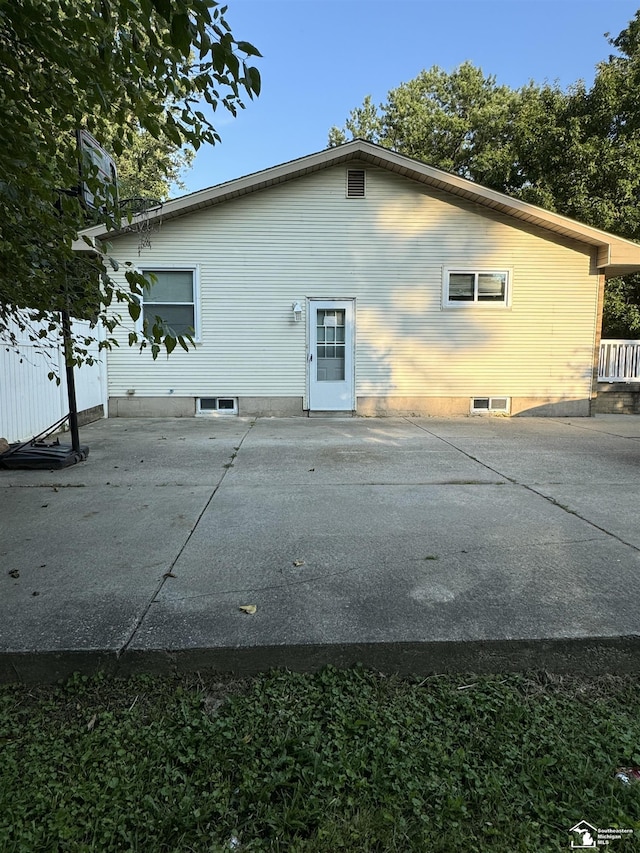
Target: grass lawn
point(339, 760)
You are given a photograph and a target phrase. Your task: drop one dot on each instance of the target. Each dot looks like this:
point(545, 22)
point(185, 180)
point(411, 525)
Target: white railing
point(619, 361)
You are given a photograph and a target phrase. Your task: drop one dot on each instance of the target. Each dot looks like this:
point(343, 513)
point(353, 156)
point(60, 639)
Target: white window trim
point(474, 304)
point(195, 269)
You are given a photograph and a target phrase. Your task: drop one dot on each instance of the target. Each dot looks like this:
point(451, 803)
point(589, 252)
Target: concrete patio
point(408, 544)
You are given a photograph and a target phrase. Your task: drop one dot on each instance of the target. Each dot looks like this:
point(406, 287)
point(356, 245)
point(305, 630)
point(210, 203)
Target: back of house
point(357, 280)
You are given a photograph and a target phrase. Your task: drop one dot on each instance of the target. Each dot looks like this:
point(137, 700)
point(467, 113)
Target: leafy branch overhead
point(125, 70)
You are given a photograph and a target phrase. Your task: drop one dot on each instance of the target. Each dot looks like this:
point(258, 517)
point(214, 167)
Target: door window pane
point(330, 349)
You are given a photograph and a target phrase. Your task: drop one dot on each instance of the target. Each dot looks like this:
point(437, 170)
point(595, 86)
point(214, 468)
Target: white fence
point(29, 401)
point(619, 361)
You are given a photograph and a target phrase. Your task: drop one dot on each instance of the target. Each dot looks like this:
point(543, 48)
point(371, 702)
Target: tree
point(615, 107)
point(129, 71)
point(575, 151)
point(621, 315)
point(150, 167)
point(456, 121)
point(364, 122)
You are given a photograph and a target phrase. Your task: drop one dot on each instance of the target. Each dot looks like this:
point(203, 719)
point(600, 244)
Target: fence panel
point(90, 380)
point(29, 401)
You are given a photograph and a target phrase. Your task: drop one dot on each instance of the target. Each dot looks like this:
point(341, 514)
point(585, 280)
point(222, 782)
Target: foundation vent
point(217, 405)
point(491, 404)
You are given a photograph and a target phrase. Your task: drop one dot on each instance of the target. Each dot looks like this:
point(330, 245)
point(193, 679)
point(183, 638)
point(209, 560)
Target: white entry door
point(330, 357)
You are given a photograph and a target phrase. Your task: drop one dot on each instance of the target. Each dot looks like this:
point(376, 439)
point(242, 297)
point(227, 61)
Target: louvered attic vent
point(355, 183)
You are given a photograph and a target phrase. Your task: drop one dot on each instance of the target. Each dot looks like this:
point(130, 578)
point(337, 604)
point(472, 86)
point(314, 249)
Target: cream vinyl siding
point(259, 253)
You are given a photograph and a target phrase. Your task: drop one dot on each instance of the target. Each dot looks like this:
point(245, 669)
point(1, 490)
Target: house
point(358, 280)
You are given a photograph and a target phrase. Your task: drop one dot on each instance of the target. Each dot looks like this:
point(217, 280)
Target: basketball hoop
point(98, 165)
point(144, 217)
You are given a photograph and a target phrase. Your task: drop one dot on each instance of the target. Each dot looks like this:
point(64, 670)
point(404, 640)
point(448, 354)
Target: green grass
point(326, 762)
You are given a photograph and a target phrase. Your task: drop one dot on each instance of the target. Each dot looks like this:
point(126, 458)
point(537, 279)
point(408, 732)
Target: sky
point(321, 57)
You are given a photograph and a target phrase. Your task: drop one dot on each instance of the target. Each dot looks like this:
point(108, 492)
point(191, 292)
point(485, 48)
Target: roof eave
point(614, 253)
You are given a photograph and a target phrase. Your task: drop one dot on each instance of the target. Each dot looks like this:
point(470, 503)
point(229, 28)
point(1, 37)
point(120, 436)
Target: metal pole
point(71, 383)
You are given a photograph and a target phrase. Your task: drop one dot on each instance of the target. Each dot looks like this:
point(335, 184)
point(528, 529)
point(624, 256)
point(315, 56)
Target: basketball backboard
point(92, 154)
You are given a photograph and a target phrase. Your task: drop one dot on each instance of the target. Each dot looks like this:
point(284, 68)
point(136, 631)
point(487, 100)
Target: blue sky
point(321, 57)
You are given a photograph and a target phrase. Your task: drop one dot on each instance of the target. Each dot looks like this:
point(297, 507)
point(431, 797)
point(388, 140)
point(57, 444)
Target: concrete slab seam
point(601, 431)
point(464, 452)
point(167, 574)
point(576, 514)
point(534, 491)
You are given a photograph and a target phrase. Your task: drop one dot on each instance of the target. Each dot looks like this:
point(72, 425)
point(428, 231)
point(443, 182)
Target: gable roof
point(616, 255)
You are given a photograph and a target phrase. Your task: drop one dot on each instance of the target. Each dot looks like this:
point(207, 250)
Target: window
point(171, 295)
point(476, 287)
point(218, 405)
point(491, 404)
point(355, 183)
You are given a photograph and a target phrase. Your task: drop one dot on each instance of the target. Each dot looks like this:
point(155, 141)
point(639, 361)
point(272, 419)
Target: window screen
point(170, 295)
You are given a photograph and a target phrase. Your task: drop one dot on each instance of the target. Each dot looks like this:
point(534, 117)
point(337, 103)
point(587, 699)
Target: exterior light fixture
point(297, 312)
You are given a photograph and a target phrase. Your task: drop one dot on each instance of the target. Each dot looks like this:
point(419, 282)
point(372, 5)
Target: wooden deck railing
point(619, 361)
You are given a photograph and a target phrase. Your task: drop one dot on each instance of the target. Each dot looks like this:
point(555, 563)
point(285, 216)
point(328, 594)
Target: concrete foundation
point(285, 407)
point(186, 407)
point(152, 407)
point(271, 407)
point(447, 407)
point(551, 407)
point(444, 407)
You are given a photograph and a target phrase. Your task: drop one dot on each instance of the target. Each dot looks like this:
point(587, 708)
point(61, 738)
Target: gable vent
point(355, 183)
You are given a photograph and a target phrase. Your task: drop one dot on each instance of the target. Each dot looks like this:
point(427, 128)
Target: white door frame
point(331, 396)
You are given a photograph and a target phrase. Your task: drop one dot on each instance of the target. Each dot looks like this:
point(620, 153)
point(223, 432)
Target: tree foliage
point(454, 121)
point(574, 151)
point(148, 167)
point(137, 73)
